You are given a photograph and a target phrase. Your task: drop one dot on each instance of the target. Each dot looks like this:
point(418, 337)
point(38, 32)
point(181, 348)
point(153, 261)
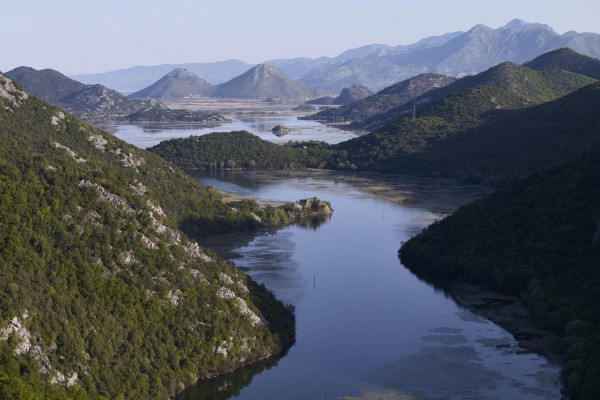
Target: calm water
point(366, 326)
point(149, 135)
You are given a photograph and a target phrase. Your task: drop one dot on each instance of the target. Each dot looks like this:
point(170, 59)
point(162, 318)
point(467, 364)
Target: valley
point(394, 222)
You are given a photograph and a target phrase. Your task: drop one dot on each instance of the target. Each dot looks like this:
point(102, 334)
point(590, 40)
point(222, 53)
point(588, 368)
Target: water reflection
point(228, 385)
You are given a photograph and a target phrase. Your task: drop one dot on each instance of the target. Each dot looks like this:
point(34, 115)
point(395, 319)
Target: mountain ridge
point(377, 66)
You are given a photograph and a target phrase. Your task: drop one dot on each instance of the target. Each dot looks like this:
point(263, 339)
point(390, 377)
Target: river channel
point(366, 326)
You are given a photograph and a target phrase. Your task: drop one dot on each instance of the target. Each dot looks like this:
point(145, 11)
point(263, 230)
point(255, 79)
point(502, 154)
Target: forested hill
point(464, 137)
point(535, 87)
point(239, 149)
point(102, 295)
point(539, 240)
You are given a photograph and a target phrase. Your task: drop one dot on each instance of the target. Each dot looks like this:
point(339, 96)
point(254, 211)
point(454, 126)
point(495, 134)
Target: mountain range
point(378, 66)
point(547, 77)
point(97, 103)
point(260, 82)
point(493, 127)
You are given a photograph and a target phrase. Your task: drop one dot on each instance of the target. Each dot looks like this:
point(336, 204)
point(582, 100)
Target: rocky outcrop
point(281, 130)
point(311, 207)
point(10, 92)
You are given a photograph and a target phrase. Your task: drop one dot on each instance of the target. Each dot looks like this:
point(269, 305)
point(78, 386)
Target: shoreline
point(509, 313)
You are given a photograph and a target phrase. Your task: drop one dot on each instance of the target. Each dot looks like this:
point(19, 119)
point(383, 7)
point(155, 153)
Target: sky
point(91, 36)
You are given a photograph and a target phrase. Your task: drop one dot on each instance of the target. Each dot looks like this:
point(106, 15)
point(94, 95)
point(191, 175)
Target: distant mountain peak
point(262, 71)
point(177, 84)
point(264, 81)
point(520, 25)
point(480, 28)
point(181, 73)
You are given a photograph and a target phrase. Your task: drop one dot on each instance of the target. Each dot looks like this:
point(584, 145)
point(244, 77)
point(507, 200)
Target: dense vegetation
point(539, 240)
point(101, 294)
point(227, 150)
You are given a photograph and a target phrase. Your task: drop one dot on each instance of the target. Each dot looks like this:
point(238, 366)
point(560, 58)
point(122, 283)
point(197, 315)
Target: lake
point(366, 326)
point(145, 136)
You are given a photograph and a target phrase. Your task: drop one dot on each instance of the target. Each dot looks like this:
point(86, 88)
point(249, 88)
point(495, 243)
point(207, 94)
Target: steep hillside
point(176, 85)
point(261, 82)
point(385, 100)
point(569, 60)
point(103, 294)
point(539, 240)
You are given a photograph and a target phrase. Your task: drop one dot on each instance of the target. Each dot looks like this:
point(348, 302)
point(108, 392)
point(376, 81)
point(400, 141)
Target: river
point(366, 326)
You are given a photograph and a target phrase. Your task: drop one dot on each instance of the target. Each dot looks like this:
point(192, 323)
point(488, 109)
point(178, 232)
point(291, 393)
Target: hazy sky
point(85, 36)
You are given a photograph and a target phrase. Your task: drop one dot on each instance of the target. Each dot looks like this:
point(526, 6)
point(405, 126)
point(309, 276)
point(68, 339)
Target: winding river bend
point(367, 327)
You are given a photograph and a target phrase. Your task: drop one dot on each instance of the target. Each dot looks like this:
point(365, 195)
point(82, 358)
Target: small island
point(281, 130)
